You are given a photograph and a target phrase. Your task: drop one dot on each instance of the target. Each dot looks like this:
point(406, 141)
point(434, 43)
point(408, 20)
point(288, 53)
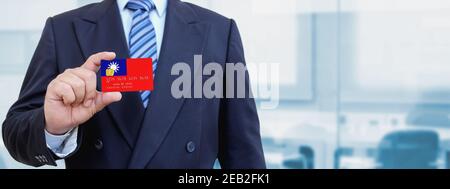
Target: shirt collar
point(161, 5)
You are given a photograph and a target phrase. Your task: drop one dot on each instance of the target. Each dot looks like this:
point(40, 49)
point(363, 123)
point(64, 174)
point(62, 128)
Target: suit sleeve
point(239, 138)
point(23, 129)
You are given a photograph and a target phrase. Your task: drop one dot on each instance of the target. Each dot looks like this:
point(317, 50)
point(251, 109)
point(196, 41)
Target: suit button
point(99, 144)
point(190, 147)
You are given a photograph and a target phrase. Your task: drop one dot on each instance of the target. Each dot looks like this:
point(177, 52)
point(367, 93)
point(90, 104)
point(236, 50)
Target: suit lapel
point(101, 30)
point(183, 38)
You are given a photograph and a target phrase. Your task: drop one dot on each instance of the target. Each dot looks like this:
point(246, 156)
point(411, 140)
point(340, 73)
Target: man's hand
point(72, 97)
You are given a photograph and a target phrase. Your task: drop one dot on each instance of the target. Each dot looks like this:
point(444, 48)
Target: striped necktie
point(142, 38)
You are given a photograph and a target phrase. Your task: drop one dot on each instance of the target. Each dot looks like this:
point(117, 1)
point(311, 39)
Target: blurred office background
point(364, 83)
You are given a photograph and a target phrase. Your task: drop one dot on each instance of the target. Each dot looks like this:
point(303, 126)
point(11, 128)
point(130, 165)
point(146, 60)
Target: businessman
point(61, 113)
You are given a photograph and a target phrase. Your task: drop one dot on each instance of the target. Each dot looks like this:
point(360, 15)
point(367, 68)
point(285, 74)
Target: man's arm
point(53, 102)
point(239, 138)
point(23, 129)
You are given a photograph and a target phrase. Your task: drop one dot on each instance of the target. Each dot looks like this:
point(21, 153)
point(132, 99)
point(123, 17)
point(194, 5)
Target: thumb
point(93, 62)
point(104, 99)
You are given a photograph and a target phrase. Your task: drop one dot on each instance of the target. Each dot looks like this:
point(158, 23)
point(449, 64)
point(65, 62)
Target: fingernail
point(88, 103)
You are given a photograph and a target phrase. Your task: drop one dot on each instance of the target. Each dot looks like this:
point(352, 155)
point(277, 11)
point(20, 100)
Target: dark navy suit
point(171, 133)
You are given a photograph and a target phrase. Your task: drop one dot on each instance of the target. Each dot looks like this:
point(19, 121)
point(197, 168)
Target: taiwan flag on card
point(126, 75)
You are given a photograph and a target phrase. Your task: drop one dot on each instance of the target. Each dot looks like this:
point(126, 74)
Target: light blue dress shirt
point(63, 145)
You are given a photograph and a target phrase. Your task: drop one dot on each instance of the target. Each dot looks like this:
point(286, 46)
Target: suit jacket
point(173, 133)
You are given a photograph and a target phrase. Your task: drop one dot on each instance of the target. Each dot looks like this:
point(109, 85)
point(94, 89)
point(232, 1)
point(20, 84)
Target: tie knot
point(145, 5)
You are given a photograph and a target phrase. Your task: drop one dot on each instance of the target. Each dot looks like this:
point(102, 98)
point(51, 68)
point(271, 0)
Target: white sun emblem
point(114, 66)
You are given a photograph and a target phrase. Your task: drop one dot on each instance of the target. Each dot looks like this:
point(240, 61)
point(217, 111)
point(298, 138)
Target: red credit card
point(126, 75)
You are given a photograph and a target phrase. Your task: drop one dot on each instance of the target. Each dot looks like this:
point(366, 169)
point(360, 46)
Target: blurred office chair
point(447, 160)
point(304, 160)
point(408, 150)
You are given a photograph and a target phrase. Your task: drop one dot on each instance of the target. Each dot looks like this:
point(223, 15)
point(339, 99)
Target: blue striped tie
point(142, 39)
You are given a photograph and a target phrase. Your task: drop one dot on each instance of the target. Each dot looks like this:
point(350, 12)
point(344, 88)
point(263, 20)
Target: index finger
point(93, 62)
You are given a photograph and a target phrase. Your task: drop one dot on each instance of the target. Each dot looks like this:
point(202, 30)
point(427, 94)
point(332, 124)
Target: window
point(395, 89)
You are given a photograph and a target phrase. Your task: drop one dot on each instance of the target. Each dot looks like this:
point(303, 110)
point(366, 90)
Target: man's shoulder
point(202, 14)
point(75, 13)
point(206, 15)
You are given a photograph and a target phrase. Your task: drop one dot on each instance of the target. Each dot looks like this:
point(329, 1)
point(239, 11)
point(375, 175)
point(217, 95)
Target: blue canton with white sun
point(119, 66)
